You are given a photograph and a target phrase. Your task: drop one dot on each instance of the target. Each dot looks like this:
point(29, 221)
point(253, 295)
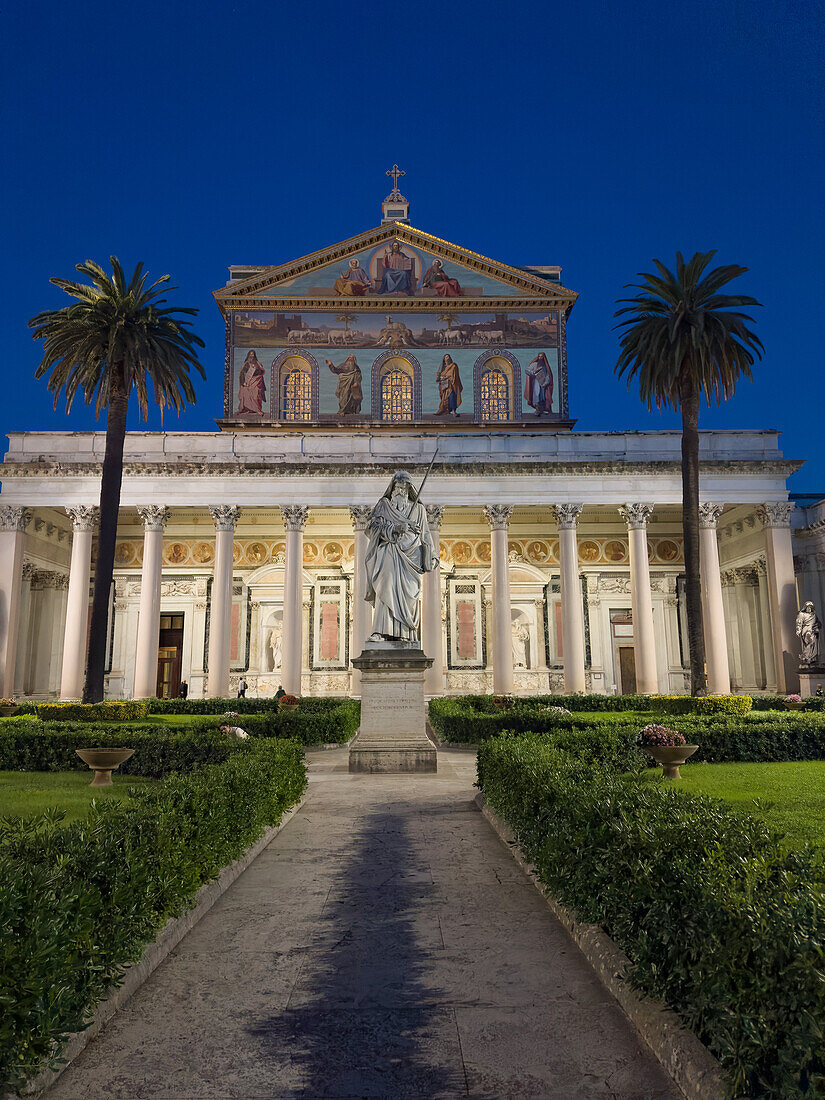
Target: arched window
point(497, 387)
point(396, 387)
point(495, 395)
point(296, 402)
point(296, 382)
point(396, 396)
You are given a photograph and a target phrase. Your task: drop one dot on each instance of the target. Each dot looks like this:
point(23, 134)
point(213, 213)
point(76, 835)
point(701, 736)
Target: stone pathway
point(384, 945)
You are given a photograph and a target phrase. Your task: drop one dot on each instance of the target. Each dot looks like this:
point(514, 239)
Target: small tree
point(346, 318)
point(113, 339)
point(682, 339)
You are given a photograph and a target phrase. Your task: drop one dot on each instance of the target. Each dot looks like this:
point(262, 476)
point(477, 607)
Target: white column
point(766, 646)
point(220, 604)
point(540, 660)
point(432, 641)
point(73, 671)
point(154, 518)
point(295, 517)
point(776, 518)
point(361, 610)
point(744, 591)
point(572, 614)
point(12, 537)
point(644, 643)
point(498, 516)
point(716, 643)
point(21, 666)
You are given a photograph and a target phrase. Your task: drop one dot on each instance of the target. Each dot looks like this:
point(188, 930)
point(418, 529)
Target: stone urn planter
point(8, 710)
point(291, 704)
point(103, 762)
point(794, 704)
point(670, 757)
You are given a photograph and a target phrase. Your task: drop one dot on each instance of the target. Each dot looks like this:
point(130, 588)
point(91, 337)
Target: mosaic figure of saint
point(251, 387)
point(400, 552)
point(538, 385)
point(437, 280)
point(397, 271)
point(354, 282)
point(348, 391)
point(449, 387)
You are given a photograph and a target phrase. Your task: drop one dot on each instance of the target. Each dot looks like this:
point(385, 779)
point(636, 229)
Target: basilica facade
point(240, 552)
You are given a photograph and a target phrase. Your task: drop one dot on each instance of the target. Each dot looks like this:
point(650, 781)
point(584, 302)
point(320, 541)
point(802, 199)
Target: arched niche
point(295, 386)
point(497, 387)
point(396, 387)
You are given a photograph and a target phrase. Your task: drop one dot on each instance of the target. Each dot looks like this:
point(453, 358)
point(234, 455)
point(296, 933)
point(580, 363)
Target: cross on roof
point(395, 172)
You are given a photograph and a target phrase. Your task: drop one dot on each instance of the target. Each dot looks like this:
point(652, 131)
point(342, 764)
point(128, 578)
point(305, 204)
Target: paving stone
point(384, 945)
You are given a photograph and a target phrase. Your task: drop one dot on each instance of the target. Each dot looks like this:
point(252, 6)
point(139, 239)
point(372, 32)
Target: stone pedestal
point(810, 678)
point(392, 736)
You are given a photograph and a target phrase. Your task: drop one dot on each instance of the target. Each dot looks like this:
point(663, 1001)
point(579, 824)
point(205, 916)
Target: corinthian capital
point(566, 515)
point(295, 516)
point(435, 513)
point(83, 516)
point(709, 514)
point(360, 514)
point(498, 515)
point(14, 519)
point(225, 516)
point(636, 515)
point(154, 516)
point(776, 513)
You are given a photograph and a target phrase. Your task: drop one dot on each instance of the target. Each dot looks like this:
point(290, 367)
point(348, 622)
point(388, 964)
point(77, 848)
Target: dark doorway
point(627, 669)
point(170, 651)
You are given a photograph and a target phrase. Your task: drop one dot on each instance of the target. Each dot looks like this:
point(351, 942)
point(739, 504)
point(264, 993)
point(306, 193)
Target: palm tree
point(346, 318)
point(682, 339)
point(110, 341)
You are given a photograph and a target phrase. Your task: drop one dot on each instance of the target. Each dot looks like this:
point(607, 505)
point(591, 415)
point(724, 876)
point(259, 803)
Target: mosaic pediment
point(392, 264)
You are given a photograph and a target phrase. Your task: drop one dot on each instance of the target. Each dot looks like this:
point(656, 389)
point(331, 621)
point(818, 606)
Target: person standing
point(242, 688)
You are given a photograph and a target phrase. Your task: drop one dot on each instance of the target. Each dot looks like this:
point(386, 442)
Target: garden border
point(685, 1059)
point(153, 955)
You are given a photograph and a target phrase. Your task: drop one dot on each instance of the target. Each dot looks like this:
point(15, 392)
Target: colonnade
point(779, 583)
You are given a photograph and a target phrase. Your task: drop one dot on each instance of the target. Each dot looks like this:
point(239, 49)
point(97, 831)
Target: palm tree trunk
point(689, 398)
point(110, 483)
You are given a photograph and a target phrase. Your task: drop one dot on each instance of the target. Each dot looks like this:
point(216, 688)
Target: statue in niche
point(808, 629)
point(348, 391)
point(274, 644)
point(400, 552)
point(521, 636)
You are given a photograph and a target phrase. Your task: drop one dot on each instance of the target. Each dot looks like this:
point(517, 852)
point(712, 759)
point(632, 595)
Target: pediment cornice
point(246, 293)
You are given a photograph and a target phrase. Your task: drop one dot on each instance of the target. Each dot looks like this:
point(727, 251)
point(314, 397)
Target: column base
point(392, 736)
point(811, 677)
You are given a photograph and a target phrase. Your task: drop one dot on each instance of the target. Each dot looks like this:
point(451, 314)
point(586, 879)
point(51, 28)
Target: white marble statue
point(808, 628)
point(520, 636)
point(274, 642)
point(400, 552)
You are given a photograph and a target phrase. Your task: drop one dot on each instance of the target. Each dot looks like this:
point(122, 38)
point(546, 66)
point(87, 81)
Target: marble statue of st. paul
point(400, 552)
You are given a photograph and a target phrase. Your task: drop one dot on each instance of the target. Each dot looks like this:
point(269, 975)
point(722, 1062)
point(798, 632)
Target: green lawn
point(792, 795)
point(24, 794)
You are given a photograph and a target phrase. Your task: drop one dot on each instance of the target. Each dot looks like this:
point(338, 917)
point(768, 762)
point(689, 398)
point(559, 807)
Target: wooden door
point(627, 670)
point(170, 652)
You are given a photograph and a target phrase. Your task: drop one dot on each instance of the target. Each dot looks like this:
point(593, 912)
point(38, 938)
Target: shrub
point(79, 902)
point(130, 710)
point(242, 706)
point(702, 704)
point(334, 725)
point(717, 920)
point(29, 745)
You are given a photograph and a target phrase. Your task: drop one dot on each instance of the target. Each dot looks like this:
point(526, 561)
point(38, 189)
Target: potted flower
point(8, 708)
point(288, 702)
point(667, 747)
point(504, 701)
point(794, 702)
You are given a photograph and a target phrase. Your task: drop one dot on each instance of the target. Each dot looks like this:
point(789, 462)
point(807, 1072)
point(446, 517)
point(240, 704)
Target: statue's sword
point(421, 486)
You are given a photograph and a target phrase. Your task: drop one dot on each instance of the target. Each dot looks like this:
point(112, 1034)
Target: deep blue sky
point(592, 135)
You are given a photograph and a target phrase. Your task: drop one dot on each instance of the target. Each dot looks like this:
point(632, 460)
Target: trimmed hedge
point(39, 747)
point(717, 919)
point(321, 726)
point(77, 903)
point(241, 706)
point(761, 737)
point(701, 704)
point(130, 710)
